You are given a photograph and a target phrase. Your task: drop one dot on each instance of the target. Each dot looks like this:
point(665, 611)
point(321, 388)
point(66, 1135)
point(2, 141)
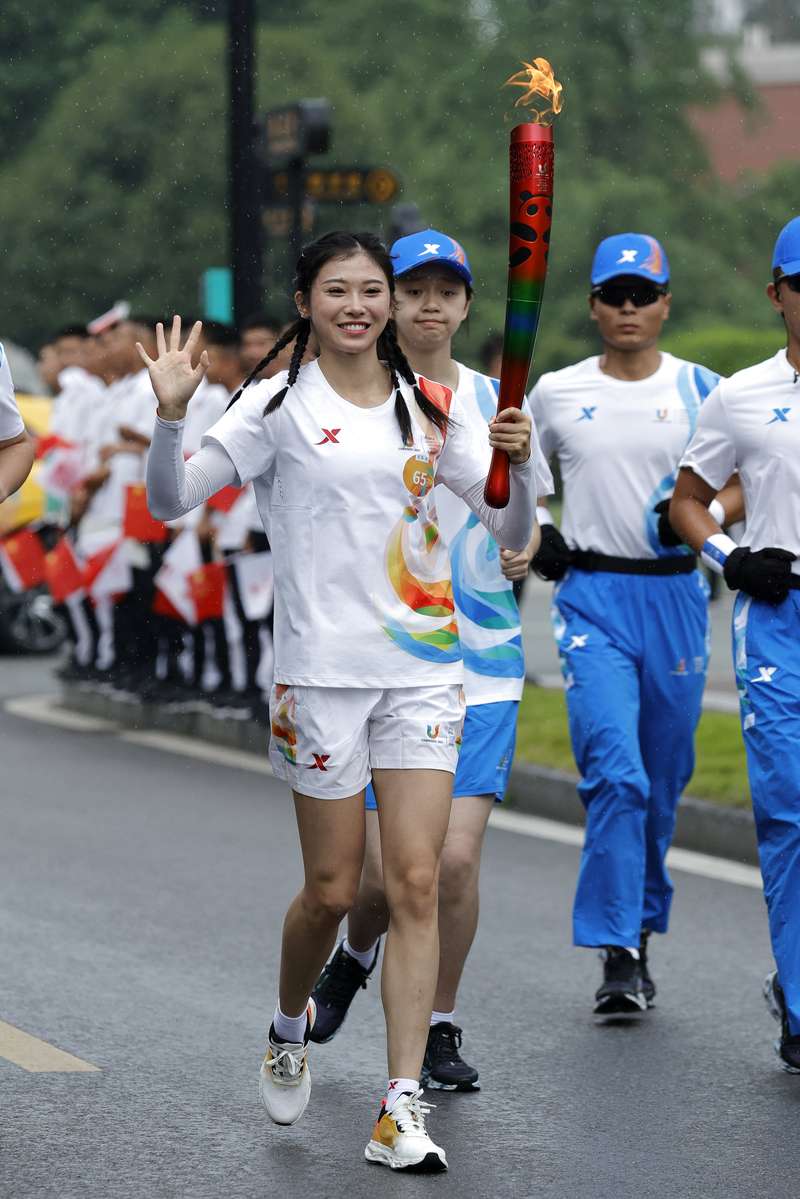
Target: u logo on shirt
point(780, 416)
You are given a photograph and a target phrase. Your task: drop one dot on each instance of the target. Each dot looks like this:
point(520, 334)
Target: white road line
point(174, 743)
point(677, 859)
point(38, 1057)
point(45, 709)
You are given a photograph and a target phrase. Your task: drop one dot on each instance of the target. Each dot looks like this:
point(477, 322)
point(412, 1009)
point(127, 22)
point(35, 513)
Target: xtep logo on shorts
point(331, 435)
point(781, 416)
point(765, 674)
point(587, 414)
point(319, 762)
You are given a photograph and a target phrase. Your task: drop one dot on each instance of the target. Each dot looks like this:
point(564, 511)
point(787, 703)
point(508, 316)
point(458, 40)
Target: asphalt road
point(141, 896)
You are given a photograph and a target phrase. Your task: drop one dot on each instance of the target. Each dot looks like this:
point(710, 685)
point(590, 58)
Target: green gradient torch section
point(531, 158)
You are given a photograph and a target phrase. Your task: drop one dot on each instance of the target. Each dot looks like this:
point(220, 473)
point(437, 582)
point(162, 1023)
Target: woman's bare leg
point(413, 808)
point(369, 915)
point(332, 841)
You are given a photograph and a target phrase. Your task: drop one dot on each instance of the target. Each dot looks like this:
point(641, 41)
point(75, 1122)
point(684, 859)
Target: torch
point(531, 154)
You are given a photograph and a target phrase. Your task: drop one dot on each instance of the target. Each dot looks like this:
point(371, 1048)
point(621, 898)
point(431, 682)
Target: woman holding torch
point(433, 297)
point(343, 453)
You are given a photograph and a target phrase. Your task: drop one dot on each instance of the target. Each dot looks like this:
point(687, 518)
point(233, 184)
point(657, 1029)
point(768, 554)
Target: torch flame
point(537, 79)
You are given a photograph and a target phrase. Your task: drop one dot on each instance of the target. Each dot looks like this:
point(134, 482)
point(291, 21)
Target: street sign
point(338, 185)
point(297, 130)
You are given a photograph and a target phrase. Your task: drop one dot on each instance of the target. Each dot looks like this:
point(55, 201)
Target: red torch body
point(531, 155)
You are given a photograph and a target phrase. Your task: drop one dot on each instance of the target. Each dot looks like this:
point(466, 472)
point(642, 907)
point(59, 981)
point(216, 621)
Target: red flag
point(108, 572)
point(52, 442)
point(163, 607)
point(22, 560)
point(207, 589)
point(63, 571)
point(138, 522)
point(224, 500)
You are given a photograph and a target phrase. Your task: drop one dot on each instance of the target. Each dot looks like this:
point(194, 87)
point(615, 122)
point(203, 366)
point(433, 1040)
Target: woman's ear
point(301, 305)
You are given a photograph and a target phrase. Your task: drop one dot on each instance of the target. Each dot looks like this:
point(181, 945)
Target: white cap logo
point(430, 248)
point(627, 256)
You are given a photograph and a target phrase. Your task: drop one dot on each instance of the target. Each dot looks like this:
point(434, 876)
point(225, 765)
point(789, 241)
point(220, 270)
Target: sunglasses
point(639, 294)
point(791, 281)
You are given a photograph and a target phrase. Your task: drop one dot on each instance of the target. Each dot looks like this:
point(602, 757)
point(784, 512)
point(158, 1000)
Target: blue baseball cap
point(630, 254)
point(786, 257)
point(418, 249)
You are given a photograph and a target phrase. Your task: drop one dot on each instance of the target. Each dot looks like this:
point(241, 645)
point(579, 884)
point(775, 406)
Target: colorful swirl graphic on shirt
point(488, 617)
point(418, 567)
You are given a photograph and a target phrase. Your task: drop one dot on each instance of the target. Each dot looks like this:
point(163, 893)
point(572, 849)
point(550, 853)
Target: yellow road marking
point(35, 1056)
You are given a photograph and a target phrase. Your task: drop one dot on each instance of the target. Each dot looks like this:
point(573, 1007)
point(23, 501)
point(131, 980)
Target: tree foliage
point(114, 182)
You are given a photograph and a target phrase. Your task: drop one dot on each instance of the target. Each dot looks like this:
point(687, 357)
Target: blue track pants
point(634, 651)
point(766, 647)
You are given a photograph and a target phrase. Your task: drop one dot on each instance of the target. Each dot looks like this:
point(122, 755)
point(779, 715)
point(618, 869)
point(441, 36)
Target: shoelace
point(287, 1063)
point(417, 1109)
point(449, 1038)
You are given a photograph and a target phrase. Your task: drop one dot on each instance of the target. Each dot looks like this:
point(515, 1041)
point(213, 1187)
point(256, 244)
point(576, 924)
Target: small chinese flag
point(207, 589)
point(52, 442)
point(163, 607)
point(224, 500)
point(138, 522)
point(22, 557)
point(63, 572)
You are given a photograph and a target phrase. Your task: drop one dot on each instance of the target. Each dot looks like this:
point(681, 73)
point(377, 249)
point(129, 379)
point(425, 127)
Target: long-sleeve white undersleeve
point(510, 526)
point(175, 487)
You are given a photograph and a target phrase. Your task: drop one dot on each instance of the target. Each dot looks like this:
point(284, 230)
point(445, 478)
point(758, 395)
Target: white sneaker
point(285, 1080)
point(399, 1139)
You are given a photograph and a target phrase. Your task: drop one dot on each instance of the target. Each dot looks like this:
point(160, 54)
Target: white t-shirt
point(77, 407)
point(11, 424)
point(618, 444)
point(751, 424)
point(363, 591)
point(487, 612)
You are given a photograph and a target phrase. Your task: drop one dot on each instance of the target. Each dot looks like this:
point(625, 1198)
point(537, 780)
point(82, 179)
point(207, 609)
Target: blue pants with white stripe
point(634, 653)
point(766, 648)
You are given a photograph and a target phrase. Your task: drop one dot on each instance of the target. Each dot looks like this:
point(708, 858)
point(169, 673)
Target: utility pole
point(243, 197)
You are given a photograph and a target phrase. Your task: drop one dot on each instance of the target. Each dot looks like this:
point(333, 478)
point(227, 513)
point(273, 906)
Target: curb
point(702, 826)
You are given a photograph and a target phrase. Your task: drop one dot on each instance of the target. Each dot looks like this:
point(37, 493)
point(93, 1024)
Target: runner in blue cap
point(433, 295)
point(630, 608)
point(751, 423)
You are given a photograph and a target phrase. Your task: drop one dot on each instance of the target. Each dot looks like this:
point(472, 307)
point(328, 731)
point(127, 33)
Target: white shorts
point(326, 741)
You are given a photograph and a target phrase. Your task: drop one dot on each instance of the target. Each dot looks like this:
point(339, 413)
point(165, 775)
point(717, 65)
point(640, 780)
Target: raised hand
point(510, 430)
point(175, 379)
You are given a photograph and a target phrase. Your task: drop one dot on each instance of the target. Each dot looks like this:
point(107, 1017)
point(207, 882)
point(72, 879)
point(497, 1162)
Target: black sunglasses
point(639, 294)
point(791, 281)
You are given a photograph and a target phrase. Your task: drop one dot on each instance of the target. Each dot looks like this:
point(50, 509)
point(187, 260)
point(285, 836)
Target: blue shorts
point(487, 752)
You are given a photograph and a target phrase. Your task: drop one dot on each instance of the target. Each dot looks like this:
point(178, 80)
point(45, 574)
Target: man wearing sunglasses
point(630, 612)
point(751, 423)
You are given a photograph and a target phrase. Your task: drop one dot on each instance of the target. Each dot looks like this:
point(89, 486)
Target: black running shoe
point(648, 986)
point(788, 1047)
point(443, 1067)
point(621, 993)
point(335, 990)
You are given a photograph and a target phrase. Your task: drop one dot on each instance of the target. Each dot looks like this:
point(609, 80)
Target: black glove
point(666, 533)
point(764, 574)
point(554, 557)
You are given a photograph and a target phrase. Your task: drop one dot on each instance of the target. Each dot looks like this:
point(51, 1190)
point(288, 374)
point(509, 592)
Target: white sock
point(443, 1017)
point(364, 959)
point(633, 950)
point(290, 1028)
point(398, 1087)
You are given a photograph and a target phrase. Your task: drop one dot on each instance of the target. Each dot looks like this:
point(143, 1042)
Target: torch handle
point(497, 489)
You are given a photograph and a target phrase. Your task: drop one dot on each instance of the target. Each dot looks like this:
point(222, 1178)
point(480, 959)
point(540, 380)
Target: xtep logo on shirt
point(765, 674)
point(587, 413)
point(331, 435)
point(781, 416)
point(319, 762)
point(578, 641)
